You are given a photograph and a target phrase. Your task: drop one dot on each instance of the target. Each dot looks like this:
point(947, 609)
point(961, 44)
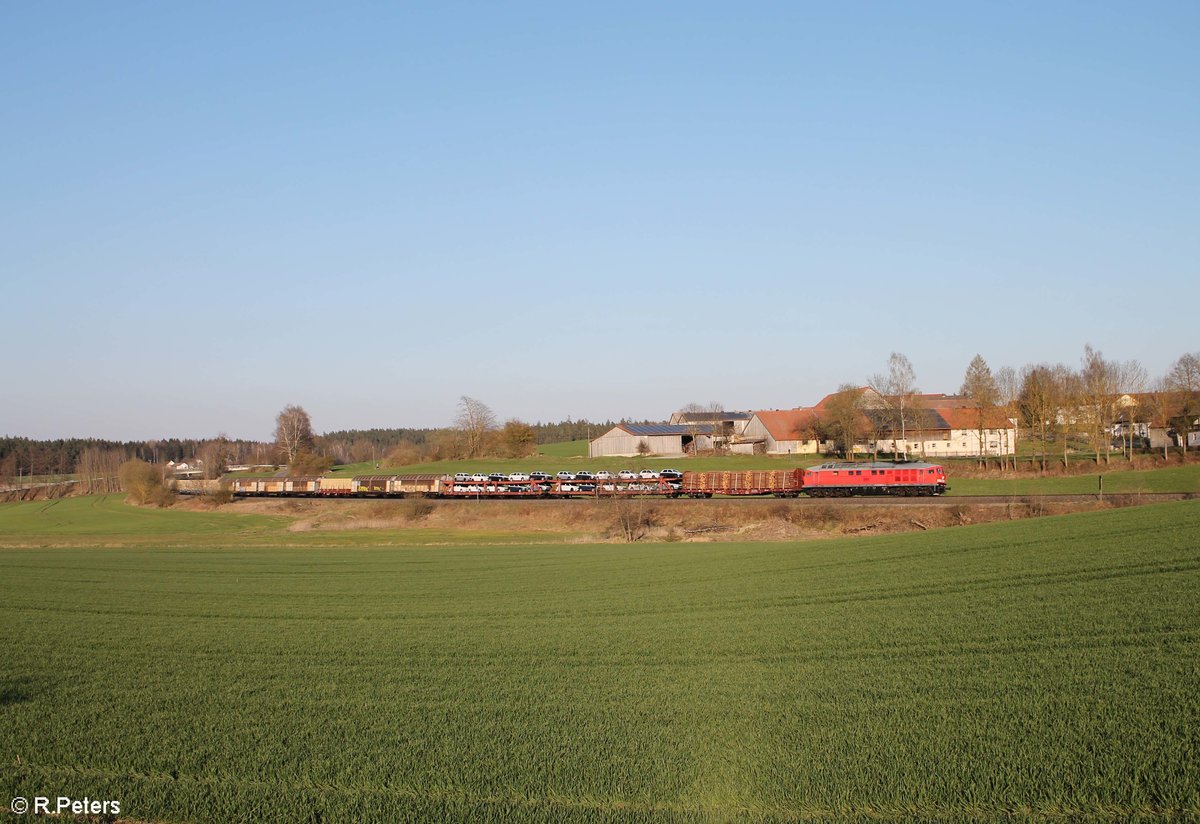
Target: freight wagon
point(824, 481)
point(782, 483)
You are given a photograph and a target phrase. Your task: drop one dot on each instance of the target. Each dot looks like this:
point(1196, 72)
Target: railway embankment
point(634, 520)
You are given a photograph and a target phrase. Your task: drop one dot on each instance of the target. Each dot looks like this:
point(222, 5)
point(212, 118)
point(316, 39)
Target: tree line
point(1063, 409)
point(95, 461)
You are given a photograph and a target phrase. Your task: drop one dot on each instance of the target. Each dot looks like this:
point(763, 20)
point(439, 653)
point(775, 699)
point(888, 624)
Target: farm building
point(949, 431)
point(940, 431)
point(657, 438)
point(1160, 419)
point(781, 432)
point(732, 422)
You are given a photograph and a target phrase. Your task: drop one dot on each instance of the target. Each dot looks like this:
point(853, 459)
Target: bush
point(143, 483)
point(221, 494)
point(633, 519)
point(415, 509)
point(307, 463)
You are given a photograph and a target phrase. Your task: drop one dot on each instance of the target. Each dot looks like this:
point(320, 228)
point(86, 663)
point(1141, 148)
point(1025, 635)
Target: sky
point(209, 211)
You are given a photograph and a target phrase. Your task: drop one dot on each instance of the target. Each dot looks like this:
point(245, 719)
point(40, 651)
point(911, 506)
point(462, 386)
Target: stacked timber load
point(754, 482)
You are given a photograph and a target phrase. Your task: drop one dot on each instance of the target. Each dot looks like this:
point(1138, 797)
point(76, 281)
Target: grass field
point(1181, 478)
point(565, 449)
point(1034, 670)
point(1168, 479)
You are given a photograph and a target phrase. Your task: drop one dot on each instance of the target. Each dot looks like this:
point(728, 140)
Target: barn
point(781, 432)
point(658, 439)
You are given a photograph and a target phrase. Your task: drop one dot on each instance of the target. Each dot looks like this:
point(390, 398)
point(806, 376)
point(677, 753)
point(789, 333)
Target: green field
point(1184, 478)
point(1034, 670)
point(1168, 479)
point(564, 449)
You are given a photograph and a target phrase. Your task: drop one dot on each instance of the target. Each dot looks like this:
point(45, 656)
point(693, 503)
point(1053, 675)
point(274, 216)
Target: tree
point(1183, 378)
point(1038, 400)
point(980, 386)
point(474, 421)
point(1159, 409)
point(518, 438)
point(897, 390)
point(97, 469)
point(215, 455)
point(293, 432)
point(143, 482)
point(1099, 386)
point(643, 447)
point(843, 418)
point(700, 414)
point(1069, 387)
point(1133, 380)
point(1008, 387)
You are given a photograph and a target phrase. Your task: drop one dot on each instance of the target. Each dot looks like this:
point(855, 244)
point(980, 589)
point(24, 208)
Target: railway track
point(865, 501)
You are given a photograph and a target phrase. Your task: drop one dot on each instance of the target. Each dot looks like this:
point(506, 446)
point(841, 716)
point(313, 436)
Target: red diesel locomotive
point(841, 480)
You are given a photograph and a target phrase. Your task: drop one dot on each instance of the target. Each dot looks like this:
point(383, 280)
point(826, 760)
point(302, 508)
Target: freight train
point(829, 480)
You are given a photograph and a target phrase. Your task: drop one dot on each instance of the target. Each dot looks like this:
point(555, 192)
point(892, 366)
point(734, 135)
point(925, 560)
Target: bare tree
point(1008, 388)
point(843, 419)
point(1040, 402)
point(474, 421)
point(697, 415)
point(1071, 398)
point(1159, 410)
point(1133, 380)
point(979, 384)
point(1183, 378)
point(96, 469)
point(897, 390)
point(215, 456)
point(293, 432)
point(1099, 385)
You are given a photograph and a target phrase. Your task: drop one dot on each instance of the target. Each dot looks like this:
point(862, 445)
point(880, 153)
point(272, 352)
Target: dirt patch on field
point(650, 520)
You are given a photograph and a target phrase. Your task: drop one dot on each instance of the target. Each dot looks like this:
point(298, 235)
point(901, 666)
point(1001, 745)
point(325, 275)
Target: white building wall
point(618, 442)
point(796, 447)
point(961, 443)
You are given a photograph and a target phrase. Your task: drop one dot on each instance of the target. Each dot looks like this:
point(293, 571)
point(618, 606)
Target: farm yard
point(1043, 669)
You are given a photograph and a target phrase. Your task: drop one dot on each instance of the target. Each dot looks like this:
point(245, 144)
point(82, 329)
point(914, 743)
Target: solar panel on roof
point(666, 429)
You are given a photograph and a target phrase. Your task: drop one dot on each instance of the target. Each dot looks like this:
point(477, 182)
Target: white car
point(518, 476)
point(648, 475)
point(564, 475)
point(627, 475)
point(604, 475)
point(479, 477)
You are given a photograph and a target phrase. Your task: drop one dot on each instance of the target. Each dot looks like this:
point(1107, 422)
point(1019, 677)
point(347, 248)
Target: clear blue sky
point(209, 211)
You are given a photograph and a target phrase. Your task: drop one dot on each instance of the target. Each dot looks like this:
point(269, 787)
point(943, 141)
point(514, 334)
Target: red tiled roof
point(963, 418)
point(788, 424)
point(821, 404)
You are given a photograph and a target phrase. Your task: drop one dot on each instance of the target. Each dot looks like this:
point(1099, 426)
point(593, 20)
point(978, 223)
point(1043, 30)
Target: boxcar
point(371, 486)
point(336, 486)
